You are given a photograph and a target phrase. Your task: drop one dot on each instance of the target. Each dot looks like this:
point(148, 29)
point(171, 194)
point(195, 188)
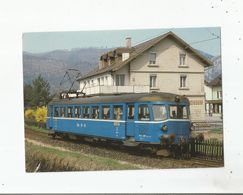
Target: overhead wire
point(196, 42)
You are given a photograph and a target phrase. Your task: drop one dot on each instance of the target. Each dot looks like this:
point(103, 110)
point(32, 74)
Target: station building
point(163, 64)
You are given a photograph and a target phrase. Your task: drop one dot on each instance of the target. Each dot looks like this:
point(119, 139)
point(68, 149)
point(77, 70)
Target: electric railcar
point(158, 119)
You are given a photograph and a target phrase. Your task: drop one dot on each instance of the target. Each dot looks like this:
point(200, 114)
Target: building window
point(125, 56)
point(152, 58)
point(120, 80)
point(183, 81)
point(219, 94)
point(102, 81)
point(106, 80)
point(182, 59)
point(153, 81)
point(98, 81)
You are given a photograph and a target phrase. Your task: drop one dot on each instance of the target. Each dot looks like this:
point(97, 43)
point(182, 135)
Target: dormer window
point(125, 56)
point(152, 58)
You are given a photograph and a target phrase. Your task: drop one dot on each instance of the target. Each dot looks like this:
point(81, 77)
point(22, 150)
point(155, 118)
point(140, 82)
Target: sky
point(204, 39)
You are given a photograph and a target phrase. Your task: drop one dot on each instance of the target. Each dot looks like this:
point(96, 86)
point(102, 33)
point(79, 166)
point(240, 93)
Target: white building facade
point(163, 64)
point(214, 98)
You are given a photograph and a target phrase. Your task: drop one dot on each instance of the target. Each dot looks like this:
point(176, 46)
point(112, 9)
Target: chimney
point(128, 42)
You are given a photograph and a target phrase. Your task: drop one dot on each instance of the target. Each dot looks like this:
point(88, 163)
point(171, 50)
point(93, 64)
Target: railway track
point(116, 151)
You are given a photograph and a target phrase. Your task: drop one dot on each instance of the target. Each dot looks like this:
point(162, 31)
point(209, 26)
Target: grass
point(54, 159)
point(36, 128)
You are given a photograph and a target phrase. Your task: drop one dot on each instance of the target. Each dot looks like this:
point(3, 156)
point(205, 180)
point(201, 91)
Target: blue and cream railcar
point(157, 118)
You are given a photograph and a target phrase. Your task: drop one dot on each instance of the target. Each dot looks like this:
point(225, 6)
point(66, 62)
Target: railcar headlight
point(164, 128)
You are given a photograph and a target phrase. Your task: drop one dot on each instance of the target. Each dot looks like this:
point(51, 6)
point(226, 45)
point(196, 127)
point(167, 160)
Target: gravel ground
point(113, 152)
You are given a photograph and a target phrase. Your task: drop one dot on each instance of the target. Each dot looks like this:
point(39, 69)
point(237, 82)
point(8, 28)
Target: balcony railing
point(116, 89)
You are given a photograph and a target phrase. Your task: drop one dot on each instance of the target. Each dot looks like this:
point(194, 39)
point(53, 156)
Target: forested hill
point(52, 65)
point(214, 71)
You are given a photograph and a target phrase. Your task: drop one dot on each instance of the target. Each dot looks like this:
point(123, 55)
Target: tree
point(27, 95)
point(38, 93)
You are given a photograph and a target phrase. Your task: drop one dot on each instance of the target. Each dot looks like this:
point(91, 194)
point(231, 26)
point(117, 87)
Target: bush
point(29, 115)
point(41, 114)
point(36, 117)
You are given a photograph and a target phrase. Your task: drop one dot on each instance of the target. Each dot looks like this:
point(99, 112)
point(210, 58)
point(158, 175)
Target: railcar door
point(130, 125)
point(142, 127)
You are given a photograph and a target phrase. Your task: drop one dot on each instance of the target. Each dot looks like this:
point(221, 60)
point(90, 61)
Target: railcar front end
point(159, 123)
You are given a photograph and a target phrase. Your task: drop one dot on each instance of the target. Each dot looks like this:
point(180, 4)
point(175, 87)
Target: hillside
point(214, 71)
point(53, 65)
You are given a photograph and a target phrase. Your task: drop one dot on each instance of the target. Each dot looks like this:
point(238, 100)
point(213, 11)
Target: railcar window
point(63, 110)
point(178, 112)
point(56, 112)
point(105, 112)
point(117, 112)
point(95, 112)
point(86, 112)
point(159, 112)
point(130, 112)
point(143, 113)
point(77, 111)
point(70, 112)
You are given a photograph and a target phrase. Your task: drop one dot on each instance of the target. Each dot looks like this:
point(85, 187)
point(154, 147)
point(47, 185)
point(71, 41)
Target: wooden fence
point(205, 149)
